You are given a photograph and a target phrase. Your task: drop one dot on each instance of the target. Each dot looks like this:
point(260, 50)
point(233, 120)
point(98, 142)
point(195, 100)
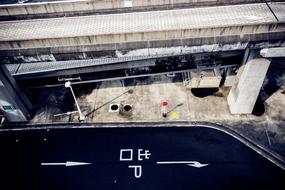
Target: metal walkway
point(28, 70)
point(41, 67)
point(51, 74)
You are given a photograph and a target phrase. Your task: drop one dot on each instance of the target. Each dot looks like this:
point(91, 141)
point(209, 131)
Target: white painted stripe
point(52, 164)
point(189, 163)
point(67, 163)
point(177, 162)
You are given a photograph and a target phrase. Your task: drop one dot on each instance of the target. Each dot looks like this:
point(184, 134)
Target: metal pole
point(68, 85)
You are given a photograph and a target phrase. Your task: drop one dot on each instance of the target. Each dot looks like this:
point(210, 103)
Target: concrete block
point(230, 80)
point(205, 79)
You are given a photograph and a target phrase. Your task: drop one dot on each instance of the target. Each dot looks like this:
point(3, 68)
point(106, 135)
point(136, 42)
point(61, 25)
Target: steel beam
point(13, 101)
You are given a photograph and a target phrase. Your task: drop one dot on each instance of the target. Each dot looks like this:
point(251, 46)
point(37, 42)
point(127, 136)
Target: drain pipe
point(68, 85)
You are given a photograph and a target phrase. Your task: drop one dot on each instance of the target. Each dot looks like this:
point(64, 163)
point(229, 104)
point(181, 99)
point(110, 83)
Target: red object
point(164, 103)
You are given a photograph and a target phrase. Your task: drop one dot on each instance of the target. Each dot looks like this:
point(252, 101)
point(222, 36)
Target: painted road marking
point(146, 154)
point(67, 163)
point(189, 163)
point(137, 170)
point(174, 115)
point(127, 155)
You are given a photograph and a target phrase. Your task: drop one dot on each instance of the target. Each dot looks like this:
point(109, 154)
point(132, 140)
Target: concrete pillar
point(13, 101)
point(244, 92)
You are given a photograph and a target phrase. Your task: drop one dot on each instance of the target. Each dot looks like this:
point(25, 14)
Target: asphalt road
point(132, 158)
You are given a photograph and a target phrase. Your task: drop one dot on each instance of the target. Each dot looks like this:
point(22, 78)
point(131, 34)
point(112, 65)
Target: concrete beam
point(273, 52)
point(244, 93)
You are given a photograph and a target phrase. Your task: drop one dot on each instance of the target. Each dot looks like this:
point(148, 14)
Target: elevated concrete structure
point(85, 7)
point(185, 27)
point(244, 93)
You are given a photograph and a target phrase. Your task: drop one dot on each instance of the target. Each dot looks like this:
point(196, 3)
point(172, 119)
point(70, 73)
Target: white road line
point(53, 164)
point(67, 163)
point(189, 163)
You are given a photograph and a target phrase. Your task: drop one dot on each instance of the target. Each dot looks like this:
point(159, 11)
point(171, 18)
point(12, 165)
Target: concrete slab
point(146, 96)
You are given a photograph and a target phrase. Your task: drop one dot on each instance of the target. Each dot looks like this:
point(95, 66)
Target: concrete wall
point(69, 8)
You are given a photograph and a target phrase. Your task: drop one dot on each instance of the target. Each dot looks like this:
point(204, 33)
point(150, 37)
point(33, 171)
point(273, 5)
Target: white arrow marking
point(189, 163)
point(197, 165)
point(67, 163)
